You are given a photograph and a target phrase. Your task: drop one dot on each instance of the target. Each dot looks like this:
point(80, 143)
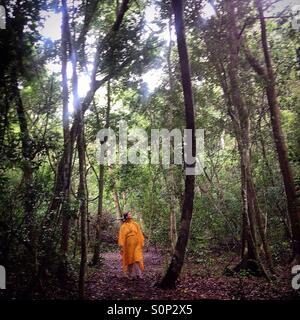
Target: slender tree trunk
point(250, 252)
point(170, 173)
point(177, 260)
point(173, 229)
point(96, 257)
point(240, 119)
point(117, 201)
point(116, 196)
point(77, 232)
point(262, 227)
point(151, 211)
point(66, 49)
point(26, 143)
point(282, 151)
point(249, 236)
point(83, 210)
point(27, 179)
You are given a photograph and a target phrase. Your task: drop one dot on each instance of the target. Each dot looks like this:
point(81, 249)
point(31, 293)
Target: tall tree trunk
point(170, 173)
point(173, 229)
point(82, 209)
point(249, 249)
point(250, 252)
point(26, 143)
point(116, 196)
point(177, 260)
point(96, 257)
point(117, 201)
point(282, 151)
point(66, 49)
point(27, 179)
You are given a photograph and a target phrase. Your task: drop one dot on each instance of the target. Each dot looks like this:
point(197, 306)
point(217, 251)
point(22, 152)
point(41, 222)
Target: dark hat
point(125, 216)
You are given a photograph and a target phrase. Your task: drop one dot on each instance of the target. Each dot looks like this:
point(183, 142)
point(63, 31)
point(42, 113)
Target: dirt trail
point(109, 283)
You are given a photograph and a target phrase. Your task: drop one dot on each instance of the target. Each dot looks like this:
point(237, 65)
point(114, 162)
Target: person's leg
point(131, 243)
point(134, 270)
point(138, 272)
point(130, 271)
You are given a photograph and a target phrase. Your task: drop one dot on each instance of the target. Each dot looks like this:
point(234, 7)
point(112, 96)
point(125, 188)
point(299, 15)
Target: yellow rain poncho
point(131, 240)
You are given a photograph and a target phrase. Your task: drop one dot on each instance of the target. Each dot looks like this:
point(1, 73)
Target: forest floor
point(203, 280)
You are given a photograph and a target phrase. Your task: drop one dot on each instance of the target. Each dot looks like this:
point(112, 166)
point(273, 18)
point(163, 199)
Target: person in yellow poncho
point(131, 242)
